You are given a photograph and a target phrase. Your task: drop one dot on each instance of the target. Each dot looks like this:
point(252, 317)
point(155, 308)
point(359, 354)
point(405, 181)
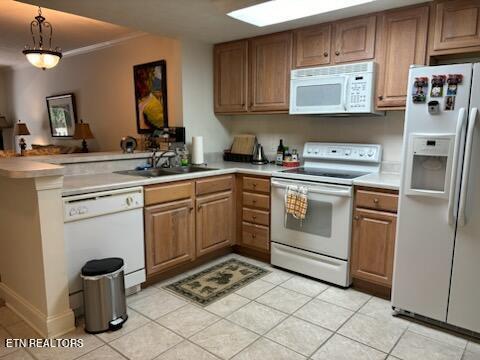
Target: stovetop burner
point(325, 173)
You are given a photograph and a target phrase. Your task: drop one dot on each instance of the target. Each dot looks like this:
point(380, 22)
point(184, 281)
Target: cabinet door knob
point(254, 201)
point(254, 217)
point(254, 185)
point(325, 54)
point(375, 201)
point(357, 217)
point(380, 97)
point(199, 207)
point(337, 52)
point(254, 236)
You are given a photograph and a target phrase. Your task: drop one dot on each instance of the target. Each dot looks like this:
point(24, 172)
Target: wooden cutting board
point(243, 144)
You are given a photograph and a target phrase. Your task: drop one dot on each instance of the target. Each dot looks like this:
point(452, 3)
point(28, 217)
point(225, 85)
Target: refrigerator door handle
point(453, 181)
point(466, 172)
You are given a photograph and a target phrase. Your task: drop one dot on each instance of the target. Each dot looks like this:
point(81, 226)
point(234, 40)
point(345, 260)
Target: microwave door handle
point(456, 155)
point(313, 190)
point(466, 172)
point(345, 93)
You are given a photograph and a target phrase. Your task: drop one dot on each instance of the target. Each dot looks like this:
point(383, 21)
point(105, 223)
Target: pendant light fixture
point(38, 55)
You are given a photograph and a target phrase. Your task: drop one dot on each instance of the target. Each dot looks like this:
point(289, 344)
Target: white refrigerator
point(437, 256)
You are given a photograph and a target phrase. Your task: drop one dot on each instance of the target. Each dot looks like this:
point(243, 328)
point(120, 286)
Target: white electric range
point(319, 245)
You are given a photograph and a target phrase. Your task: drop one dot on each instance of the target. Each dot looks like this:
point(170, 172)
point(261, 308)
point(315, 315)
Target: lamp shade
point(21, 129)
point(82, 132)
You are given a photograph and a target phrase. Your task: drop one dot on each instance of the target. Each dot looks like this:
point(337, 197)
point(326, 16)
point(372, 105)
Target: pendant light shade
point(38, 55)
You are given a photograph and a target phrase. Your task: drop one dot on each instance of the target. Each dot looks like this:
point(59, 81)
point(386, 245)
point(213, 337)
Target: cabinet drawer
point(256, 184)
point(256, 236)
point(256, 216)
point(376, 200)
point(157, 194)
point(214, 185)
point(256, 200)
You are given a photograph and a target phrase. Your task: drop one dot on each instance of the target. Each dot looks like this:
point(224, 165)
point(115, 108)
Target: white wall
point(102, 81)
point(296, 130)
point(197, 93)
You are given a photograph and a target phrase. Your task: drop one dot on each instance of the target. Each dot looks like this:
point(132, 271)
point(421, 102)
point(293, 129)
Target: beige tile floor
point(281, 316)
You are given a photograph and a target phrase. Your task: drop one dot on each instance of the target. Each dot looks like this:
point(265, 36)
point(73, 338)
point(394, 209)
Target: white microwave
point(341, 89)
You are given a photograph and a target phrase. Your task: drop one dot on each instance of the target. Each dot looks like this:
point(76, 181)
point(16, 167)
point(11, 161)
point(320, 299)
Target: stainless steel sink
point(187, 169)
point(156, 172)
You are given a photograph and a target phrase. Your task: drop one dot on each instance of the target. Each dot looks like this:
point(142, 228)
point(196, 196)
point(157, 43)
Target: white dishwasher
point(100, 225)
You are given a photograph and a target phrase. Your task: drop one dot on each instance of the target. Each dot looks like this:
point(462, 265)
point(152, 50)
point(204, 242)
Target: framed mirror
point(62, 115)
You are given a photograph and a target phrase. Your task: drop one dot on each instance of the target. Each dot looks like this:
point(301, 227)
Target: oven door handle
point(317, 190)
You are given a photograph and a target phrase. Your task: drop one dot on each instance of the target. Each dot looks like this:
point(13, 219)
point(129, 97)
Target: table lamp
point(21, 129)
point(83, 132)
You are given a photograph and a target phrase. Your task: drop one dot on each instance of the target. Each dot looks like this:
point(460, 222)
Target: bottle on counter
point(184, 161)
point(280, 153)
point(294, 155)
point(286, 155)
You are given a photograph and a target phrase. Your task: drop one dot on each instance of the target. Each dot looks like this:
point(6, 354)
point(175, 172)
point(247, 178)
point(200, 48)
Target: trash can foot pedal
point(117, 323)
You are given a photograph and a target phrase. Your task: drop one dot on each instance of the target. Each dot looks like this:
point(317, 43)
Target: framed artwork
point(151, 96)
point(62, 115)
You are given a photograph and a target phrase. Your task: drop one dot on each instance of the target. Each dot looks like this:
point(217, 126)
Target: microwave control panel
point(359, 94)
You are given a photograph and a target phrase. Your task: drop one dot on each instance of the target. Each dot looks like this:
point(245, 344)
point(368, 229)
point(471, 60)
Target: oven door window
point(318, 220)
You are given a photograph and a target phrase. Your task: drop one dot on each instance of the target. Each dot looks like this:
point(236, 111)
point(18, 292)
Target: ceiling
point(69, 31)
point(199, 19)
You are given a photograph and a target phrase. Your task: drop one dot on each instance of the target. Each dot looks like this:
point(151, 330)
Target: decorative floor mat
point(217, 281)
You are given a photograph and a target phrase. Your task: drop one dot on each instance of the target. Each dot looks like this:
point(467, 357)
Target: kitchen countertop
point(20, 168)
point(81, 184)
point(389, 181)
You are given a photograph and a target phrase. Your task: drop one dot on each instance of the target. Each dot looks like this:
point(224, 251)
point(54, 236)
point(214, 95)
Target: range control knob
point(72, 212)
point(361, 153)
point(129, 201)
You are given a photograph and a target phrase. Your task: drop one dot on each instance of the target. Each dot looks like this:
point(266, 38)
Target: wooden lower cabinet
point(169, 235)
point(215, 222)
point(373, 246)
point(253, 216)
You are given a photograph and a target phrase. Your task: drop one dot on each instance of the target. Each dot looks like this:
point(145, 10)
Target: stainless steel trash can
point(104, 295)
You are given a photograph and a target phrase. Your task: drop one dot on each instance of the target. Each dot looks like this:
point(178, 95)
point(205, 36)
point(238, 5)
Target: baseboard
point(179, 269)
point(46, 326)
point(252, 253)
point(372, 289)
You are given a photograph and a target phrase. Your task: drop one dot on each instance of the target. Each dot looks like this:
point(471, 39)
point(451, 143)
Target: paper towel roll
point(197, 150)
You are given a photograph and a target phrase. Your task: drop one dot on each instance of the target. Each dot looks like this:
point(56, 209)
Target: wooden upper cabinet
point(312, 45)
point(230, 77)
point(169, 235)
point(354, 39)
point(373, 246)
point(457, 25)
point(215, 222)
point(270, 65)
point(402, 42)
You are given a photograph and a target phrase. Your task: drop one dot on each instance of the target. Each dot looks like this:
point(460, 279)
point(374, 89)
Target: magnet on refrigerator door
point(437, 85)
point(449, 103)
point(419, 91)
